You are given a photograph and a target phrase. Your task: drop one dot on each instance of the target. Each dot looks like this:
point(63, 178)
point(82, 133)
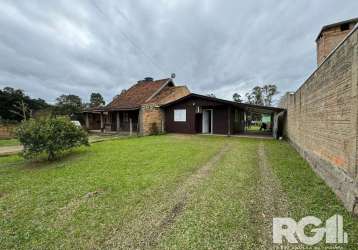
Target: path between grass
point(274, 199)
point(152, 226)
point(10, 150)
point(12, 147)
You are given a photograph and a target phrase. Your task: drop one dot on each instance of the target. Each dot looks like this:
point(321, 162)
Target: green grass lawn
point(158, 192)
point(253, 128)
point(9, 142)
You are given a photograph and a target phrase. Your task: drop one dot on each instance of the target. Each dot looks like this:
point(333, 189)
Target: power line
point(130, 40)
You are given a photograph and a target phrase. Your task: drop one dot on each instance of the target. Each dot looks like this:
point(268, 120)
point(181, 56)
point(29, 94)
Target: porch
point(113, 122)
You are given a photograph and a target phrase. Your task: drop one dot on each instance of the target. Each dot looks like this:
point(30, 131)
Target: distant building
point(331, 35)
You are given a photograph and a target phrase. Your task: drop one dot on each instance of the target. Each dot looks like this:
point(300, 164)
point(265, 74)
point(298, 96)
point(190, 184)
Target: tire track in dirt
point(153, 225)
point(273, 200)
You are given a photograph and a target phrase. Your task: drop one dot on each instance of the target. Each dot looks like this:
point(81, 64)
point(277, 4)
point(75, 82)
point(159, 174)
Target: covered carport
point(274, 126)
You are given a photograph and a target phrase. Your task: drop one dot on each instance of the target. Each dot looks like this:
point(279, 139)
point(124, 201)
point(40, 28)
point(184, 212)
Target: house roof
point(138, 94)
point(94, 109)
point(332, 25)
point(167, 94)
point(245, 106)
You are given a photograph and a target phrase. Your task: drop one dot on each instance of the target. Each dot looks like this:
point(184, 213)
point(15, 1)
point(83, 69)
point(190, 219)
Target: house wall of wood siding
point(192, 125)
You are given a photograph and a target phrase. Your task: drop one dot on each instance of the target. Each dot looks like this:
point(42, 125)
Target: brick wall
point(7, 131)
point(329, 40)
point(322, 120)
point(151, 113)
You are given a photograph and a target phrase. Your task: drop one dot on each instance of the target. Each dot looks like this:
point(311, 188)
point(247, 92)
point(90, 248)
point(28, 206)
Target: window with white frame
point(180, 115)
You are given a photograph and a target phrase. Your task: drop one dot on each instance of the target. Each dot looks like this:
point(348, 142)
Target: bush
point(50, 135)
point(153, 129)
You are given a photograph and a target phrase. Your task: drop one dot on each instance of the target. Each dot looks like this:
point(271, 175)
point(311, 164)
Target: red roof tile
point(169, 94)
point(137, 95)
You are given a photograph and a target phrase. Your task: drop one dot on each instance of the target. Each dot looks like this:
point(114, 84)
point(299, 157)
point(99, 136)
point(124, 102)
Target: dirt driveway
point(10, 150)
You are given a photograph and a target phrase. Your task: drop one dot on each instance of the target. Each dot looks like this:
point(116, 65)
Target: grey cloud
point(52, 47)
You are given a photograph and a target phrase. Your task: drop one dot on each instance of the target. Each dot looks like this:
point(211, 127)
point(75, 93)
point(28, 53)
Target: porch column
point(245, 121)
point(102, 128)
point(87, 121)
point(130, 126)
point(229, 121)
point(118, 121)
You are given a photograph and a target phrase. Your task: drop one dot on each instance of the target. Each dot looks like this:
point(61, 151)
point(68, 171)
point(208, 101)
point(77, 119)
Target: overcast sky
point(49, 48)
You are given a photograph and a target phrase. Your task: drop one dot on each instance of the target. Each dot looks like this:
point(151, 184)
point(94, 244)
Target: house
point(136, 110)
point(196, 113)
point(152, 106)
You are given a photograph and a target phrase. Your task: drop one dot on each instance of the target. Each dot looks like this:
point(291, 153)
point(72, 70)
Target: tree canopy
point(237, 97)
point(96, 100)
point(68, 105)
point(262, 95)
point(15, 105)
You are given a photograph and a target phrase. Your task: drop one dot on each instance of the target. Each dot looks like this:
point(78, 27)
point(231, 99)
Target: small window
point(180, 115)
point(125, 117)
point(345, 26)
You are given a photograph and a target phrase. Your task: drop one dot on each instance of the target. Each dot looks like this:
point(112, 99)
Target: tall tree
point(249, 98)
point(237, 97)
point(68, 104)
point(262, 95)
point(257, 95)
point(96, 100)
point(21, 109)
point(268, 92)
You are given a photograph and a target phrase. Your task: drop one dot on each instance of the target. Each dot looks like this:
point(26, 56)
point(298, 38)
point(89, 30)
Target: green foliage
point(10, 101)
point(96, 100)
point(68, 105)
point(237, 97)
point(49, 135)
point(262, 95)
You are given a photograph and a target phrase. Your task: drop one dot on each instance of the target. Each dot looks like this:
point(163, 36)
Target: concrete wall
point(322, 119)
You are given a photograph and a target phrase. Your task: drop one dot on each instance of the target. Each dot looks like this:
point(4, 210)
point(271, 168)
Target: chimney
point(330, 36)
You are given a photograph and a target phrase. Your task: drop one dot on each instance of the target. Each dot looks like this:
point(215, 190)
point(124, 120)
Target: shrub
point(153, 129)
point(50, 135)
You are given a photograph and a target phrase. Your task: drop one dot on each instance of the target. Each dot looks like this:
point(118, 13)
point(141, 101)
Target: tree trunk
point(51, 156)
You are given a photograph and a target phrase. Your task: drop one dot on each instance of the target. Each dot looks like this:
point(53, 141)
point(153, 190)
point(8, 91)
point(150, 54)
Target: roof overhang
point(98, 111)
point(123, 109)
point(245, 106)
